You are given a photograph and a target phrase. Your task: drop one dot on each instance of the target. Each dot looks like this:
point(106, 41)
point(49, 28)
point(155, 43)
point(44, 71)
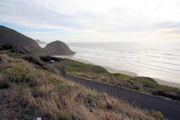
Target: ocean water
point(159, 60)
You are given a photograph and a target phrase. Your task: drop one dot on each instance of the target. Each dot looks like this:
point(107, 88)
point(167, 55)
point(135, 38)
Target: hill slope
point(28, 91)
point(14, 38)
point(58, 48)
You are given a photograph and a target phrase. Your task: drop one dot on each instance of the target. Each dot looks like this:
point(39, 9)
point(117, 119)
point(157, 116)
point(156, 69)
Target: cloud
point(27, 13)
point(93, 16)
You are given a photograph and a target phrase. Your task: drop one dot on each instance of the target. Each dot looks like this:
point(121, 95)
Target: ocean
point(157, 59)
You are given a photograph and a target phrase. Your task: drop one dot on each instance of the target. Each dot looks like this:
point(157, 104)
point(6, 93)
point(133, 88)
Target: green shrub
point(90, 101)
point(74, 66)
point(158, 115)
point(17, 73)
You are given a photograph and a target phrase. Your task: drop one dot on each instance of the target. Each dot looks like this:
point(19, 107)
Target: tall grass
point(33, 93)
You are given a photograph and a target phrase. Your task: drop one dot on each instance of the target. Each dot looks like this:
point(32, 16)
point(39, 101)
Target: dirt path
point(170, 109)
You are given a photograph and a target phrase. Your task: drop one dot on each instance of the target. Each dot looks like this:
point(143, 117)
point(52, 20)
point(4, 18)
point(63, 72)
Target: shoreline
point(112, 70)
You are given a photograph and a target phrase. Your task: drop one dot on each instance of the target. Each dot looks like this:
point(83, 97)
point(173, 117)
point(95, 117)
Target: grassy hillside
point(58, 48)
point(99, 74)
point(30, 88)
point(14, 38)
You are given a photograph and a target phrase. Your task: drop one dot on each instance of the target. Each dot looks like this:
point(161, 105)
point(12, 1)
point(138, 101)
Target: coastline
point(112, 70)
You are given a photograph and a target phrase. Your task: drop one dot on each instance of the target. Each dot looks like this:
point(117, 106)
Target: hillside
point(99, 74)
point(31, 88)
point(58, 48)
point(14, 38)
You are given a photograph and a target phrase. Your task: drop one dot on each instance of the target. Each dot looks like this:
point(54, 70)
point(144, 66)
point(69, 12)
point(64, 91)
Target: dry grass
point(106, 106)
point(49, 96)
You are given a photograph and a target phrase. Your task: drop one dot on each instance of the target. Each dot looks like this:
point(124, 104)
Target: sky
point(93, 20)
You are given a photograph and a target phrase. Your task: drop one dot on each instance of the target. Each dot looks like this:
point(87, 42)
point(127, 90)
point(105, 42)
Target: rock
point(38, 118)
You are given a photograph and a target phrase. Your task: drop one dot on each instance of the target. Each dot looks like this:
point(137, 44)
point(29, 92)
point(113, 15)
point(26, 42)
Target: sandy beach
point(112, 70)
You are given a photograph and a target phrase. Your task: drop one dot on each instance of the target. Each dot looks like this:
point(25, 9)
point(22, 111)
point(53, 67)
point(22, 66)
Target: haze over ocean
point(154, 59)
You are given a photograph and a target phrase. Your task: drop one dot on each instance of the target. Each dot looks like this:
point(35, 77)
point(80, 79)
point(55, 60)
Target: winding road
point(170, 109)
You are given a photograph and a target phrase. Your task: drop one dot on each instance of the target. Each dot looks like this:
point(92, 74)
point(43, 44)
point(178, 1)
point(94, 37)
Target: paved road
point(170, 109)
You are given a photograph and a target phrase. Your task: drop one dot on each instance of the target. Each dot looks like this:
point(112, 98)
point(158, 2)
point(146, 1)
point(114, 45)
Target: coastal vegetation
point(28, 89)
point(99, 74)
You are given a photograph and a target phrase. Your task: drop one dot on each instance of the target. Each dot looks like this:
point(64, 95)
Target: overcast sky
point(93, 20)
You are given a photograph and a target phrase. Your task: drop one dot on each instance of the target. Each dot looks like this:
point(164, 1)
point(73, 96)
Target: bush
point(40, 64)
point(17, 73)
point(158, 115)
point(48, 58)
point(169, 94)
point(13, 48)
point(90, 101)
point(1, 58)
point(3, 82)
point(36, 61)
